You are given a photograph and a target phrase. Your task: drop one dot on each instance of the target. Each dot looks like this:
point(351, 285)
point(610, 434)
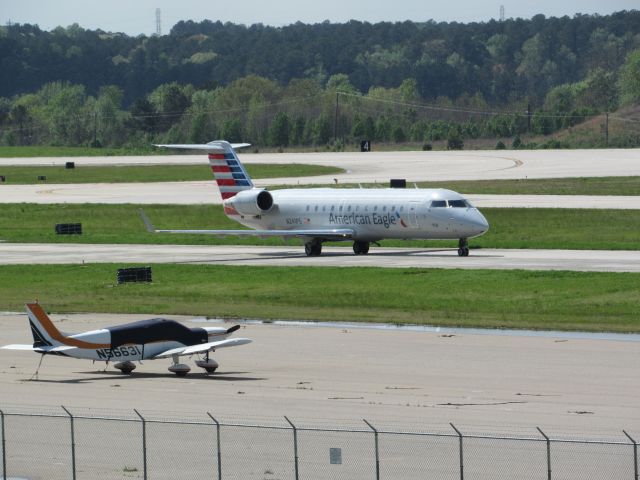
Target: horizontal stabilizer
point(204, 146)
point(43, 349)
point(203, 347)
point(18, 347)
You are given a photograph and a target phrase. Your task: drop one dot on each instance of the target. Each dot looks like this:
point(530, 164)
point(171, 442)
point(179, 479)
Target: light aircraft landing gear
point(180, 369)
point(125, 367)
point(360, 248)
point(209, 364)
point(313, 248)
point(463, 247)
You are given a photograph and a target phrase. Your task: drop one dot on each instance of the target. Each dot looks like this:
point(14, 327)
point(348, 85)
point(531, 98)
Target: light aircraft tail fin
point(44, 332)
point(228, 171)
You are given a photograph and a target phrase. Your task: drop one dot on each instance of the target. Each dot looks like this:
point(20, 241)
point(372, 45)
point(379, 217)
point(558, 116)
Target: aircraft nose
point(479, 222)
point(482, 222)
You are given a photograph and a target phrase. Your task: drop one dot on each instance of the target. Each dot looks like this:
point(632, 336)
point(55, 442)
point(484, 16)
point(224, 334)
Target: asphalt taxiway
point(292, 256)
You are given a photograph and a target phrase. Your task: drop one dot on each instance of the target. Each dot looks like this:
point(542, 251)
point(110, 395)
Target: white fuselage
point(373, 214)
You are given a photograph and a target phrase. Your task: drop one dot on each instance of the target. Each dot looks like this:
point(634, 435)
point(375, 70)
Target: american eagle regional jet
point(318, 215)
point(136, 341)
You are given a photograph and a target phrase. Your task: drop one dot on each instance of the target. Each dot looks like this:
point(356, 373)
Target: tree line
point(316, 84)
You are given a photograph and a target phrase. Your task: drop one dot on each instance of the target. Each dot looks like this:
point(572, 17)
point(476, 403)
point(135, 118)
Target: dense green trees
point(308, 84)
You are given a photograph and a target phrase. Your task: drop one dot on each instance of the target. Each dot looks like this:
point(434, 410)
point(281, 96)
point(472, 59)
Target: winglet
point(147, 222)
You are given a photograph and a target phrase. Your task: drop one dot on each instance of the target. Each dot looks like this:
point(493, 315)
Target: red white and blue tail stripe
point(229, 173)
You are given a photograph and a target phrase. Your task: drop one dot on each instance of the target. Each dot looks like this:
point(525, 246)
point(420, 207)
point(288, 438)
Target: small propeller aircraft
point(135, 341)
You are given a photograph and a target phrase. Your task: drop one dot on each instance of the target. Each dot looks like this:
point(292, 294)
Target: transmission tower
point(502, 13)
point(158, 24)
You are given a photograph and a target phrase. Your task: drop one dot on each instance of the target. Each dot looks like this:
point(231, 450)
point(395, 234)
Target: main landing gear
point(463, 247)
point(180, 369)
point(360, 248)
point(313, 248)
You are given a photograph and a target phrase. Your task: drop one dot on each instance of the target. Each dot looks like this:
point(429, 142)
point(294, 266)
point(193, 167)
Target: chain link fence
point(67, 445)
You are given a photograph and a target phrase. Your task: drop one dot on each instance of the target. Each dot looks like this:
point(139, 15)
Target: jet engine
point(251, 202)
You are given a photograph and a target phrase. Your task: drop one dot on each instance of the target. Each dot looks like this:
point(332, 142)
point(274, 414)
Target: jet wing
point(324, 233)
point(203, 347)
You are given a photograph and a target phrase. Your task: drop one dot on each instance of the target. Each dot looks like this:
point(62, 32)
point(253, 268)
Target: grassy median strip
point(480, 298)
point(150, 173)
point(510, 227)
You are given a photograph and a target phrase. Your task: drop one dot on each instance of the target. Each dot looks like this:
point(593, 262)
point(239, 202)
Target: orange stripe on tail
point(54, 333)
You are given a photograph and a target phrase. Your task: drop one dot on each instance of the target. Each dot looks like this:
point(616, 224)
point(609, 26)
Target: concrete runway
point(196, 193)
point(507, 259)
point(414, 166)
point(337, 376)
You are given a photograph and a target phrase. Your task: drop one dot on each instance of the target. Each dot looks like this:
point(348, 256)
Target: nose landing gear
point(463, 247)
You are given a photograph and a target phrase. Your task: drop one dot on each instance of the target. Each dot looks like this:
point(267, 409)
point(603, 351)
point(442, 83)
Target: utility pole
point(95, 128)
point(529, 117)
point(335, 122)
point(606, 129)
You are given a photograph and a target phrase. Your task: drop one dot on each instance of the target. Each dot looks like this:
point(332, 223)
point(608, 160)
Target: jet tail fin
point(228, 171)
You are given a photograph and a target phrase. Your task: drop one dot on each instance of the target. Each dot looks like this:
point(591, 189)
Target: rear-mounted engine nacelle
point(251, 202)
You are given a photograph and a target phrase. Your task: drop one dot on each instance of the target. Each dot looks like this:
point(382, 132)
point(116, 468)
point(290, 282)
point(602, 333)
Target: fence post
point(4, 446)
point(548, 452)
point(635, 455)
point(295, 445)
point(461, 451)
point(375, 436)
point(73, 443)
point(144, 443)
point(218, 446)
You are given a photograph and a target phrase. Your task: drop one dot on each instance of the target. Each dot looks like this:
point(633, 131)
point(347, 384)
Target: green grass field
point(151, 173)
point(510, 227)
point(479, 298)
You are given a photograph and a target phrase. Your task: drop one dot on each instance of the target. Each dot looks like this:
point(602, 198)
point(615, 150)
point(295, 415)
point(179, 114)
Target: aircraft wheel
point(360, 248)
point(180, 369)
point(463, 247)
point(125, 367)
point(313, 249)
point(209, 365)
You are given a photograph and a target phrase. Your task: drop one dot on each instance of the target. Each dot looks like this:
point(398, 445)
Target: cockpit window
point(438, 203)
point(458, 203)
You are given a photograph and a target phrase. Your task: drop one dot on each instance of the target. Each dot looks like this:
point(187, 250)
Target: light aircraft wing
point(203, 347)
point(326, 233)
